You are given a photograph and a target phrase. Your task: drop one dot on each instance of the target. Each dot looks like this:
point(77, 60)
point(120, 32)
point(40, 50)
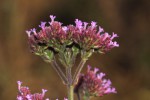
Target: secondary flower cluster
point(25, 94)
point(82, 35)
point(94, 84)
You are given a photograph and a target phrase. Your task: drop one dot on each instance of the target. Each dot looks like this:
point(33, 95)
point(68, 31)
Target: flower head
point(25, 94)
point(94, 84)
point(56, 38)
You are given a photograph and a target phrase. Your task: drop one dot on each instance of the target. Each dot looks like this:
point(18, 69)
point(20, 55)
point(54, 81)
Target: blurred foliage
point(127, 66)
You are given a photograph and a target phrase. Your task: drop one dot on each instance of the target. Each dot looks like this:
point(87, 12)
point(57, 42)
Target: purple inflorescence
point(83, 35)
point(94, 84)
point(25, 94)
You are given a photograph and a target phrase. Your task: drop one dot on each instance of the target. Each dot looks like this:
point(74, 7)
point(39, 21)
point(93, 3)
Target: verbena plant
point(57, 43)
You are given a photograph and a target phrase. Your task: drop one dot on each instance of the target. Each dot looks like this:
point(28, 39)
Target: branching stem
point(78, 70)
point(59, 71)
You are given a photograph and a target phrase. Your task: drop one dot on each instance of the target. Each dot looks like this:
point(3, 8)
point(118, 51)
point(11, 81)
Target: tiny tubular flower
point(42, 25)
point(43, 91)
point(93, 24)
point(34, 31)
point(114, 35)
point(52, 18)
point(85, 25)
point(28, 33)
point(78, 23)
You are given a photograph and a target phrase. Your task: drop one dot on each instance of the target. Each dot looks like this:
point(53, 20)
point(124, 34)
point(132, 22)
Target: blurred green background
point(127, 66)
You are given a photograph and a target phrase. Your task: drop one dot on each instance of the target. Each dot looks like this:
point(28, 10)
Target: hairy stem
point(68, 74)
point(78, 70)
point(70, 87)
point(70, 92)
point(59, 71)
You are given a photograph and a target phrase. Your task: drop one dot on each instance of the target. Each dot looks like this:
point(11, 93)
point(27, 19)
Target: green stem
point(59, 71)
point(70, 87)
point(69, 75)
point(70, 92)
point(78, 70)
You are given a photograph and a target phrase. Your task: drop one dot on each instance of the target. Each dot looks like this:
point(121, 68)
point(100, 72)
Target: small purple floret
point(78, 23)
point(52, 18)
point(28, 33)
point(100, 30)
point(85, 25)
point(93, 24)
point(42, 25)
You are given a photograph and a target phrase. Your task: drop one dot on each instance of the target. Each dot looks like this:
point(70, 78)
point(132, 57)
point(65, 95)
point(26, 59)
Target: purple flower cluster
point(89, 37)
point(25, 94)
point(94, 84)
point(83, 35)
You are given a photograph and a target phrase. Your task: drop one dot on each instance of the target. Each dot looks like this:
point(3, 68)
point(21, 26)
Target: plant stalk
point(70, 87)
point(70, 92)
point(78, 70)
point(59, 71)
